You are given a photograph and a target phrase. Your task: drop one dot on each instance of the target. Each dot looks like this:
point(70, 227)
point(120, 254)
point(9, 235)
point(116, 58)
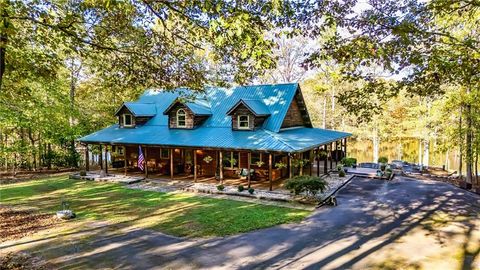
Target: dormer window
point(127, 120)
point(243, 122)
point(181, 118)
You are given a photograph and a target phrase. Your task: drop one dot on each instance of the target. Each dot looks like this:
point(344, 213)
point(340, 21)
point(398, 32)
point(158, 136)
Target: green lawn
point(176, 214)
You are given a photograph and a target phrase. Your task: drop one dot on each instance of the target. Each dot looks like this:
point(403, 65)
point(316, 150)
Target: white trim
point(131, 120)
point(184, 120)
point(248, 121)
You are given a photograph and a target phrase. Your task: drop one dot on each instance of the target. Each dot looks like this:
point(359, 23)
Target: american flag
point(141, 158)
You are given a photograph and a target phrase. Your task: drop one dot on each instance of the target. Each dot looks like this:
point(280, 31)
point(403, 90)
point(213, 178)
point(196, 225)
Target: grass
point(177, 214)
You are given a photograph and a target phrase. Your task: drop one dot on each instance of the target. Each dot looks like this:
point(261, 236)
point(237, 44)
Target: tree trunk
point(460, 156)
point(469, 145)
point(49, 156)
point(324, 117)
point(426, 152)
point(376, 145)
point(420, 160)
point(3, 38)
point(34, 150)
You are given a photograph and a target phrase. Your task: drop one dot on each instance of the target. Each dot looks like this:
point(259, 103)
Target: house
point(262, 129)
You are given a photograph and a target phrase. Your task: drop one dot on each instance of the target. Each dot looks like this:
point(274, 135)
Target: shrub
point(311, 185)
point(240, 188)
point(383, 160)
point(349, 161)
point(220, 187)
point(339, 167)
point(341, 173)
point(251, 190)
point(83, 173)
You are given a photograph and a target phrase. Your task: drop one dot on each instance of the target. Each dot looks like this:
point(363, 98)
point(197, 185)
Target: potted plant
point(208, 159)
point(383, 161)
point(232, 161)
point(259, 163)
point(280, 165)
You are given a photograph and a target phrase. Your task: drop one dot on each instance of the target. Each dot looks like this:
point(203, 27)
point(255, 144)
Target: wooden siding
point(192, 121)
point(297, 114)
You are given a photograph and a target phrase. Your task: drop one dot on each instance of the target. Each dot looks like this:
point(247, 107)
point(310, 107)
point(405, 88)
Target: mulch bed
point(22, 261)
point(15, 224)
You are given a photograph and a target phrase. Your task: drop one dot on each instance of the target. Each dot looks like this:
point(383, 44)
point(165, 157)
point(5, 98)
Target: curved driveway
point(377, 224)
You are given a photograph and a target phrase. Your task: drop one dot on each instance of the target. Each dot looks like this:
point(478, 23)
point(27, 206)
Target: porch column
point(318, 161)
point(171, 163)
point(125, 163)
point(331, 156)
point(289, 165)
point(145, 162)
point(301, 167)
point(311, 161)
point(325, 162)
point(106, 159)
point(195, 165)
point(220, 164)
point(336, 153)
point(249, 177)
point(270, 170)
point(87, 162)
point(100, 158)
point(345, 146)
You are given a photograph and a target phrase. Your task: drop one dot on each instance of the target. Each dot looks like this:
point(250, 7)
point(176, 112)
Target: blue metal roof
point(198, 109)
point(293, 140)
point(216, 131)
point(256, 106)
point(139, 109)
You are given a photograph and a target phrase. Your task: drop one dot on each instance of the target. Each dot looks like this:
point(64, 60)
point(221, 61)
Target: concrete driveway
point(405, 223)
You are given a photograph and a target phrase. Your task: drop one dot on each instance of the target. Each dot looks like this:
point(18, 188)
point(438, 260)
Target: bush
point(349, 161)
point(241, 188)
point(220, 187)
point(341, 173)
point(83, 173)
point(251, 190)
point(310, 185)
point(383, 160)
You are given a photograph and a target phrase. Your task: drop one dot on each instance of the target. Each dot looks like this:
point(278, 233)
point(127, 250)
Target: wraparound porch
point(268, 170)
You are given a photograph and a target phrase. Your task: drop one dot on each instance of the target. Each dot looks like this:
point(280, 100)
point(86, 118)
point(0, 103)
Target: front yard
point(176, 214)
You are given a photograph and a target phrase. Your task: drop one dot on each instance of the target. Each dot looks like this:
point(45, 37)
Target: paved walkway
point(377, 225)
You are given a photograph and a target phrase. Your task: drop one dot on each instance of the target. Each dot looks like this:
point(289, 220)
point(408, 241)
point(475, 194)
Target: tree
point(148, 43)
point(426, 44)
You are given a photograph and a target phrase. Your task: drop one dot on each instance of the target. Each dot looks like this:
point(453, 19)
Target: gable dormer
point(186, 115)
point(248, 114)
point(297, 114)
point(132, 114)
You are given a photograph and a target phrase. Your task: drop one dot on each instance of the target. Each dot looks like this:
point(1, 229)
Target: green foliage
point(341, 173)
point(83, 173)
point(383, 160)
point(251, 190)
point(220, 187)
point(299, 163)
point(348, 161)
point(310, 185)
point(280, 165)
point(241, 188)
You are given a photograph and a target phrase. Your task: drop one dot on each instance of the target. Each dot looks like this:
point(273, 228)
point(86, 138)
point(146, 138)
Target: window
point(127, 120)
point(181, 116)
point(243, 122)
point(165, 153)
